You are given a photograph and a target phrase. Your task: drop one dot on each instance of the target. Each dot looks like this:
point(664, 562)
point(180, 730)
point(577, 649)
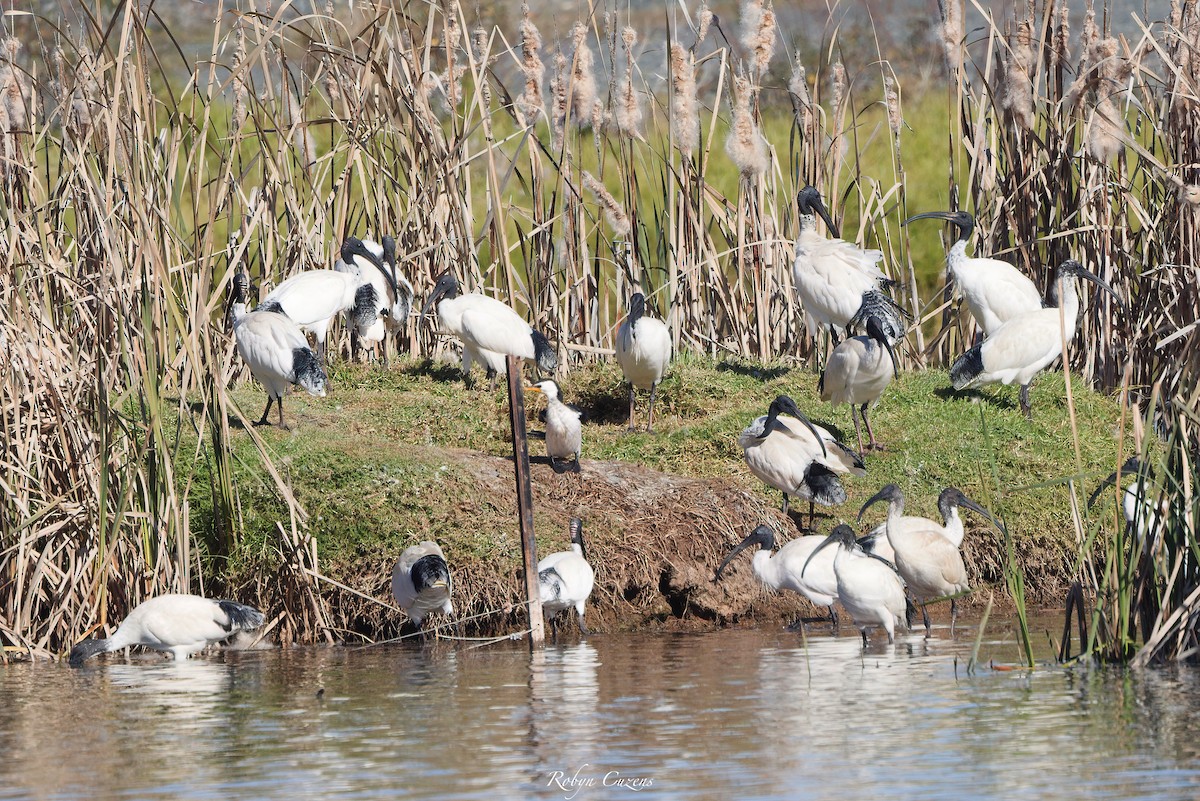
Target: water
point(737, 713)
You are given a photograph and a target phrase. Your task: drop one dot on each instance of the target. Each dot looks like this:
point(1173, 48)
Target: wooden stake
point(516, 416)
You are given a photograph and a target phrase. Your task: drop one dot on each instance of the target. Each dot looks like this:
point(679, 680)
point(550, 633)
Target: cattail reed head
point(1104, 140)
point(685, 110)
point(798, 87)
point(241, 92)
point(758, 34)
point(302, 138)
point(1017, 93)
point(16, 91)
point(529, 104)
point(613, 213)
point(333, 89)
point(892, 98)
point(629, 110)
point(1190, 194)
point(953, 32)
point(452, 77)
point(837, 77)
point(479, 48)
point(583, 94)
point(704, 18)
point(559, 100)
point(745, 145)
point(1060, 53)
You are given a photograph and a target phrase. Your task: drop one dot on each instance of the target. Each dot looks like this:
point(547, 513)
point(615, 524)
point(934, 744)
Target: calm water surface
point(729, 714)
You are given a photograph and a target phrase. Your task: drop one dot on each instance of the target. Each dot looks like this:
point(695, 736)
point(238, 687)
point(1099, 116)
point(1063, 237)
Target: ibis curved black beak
point(760, 536)
point(824, 214)
point(947, 216)
point(831, 538)
point(785, 405)
point(1095, 279)
point(876, 332)
point(885, 494)
point(1132, 466)
point(967, 503)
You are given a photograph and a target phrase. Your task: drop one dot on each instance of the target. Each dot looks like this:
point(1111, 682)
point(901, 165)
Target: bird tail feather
point(967, 368)
point(241, 617)
point(547, 360)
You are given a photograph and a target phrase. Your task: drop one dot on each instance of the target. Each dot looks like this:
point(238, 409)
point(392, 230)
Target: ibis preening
point(858, 371)
point(275, 350)
point(489, 330)
point(388, 294)
point(926, 557)
point(788, 452)
point(867, 586)
point(949, 502)
point(643, 351)
point(835, 278)
point(1027, 343)
point(180, 624)
point(784, 569)
point(994, 291)
point(564, 433)
point(565, 579)
point(421, 582)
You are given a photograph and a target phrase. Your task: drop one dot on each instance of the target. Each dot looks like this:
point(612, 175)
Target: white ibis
point(788, 452)
point(421, 582)
point(565, 579)
point(1025, 345)
point(489, 330)
point(1144, 513)
point(389, 293)
point(994, 291)
point(834, 278)
point(949, 502)
point(784, 569)
point(858, 371)
point(182, 625)
point(867, 586)
point(275, 350)
point(643, 351)
point(564, 432)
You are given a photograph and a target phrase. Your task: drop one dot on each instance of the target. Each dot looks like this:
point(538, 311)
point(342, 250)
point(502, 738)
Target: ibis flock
point(879, 578)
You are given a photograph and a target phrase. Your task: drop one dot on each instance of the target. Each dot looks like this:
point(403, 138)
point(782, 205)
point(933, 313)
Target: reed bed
point(558, 175)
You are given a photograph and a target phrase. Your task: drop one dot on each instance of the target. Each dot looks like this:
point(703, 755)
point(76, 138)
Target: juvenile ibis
point(1025, 345)
point(389, 295)
point(488, 329)
point(565, 579)
point(643, 351)
point(834, 278)
point(994, 290)
point(858, 371)
point(421, 582)
point(867, 586)
point(181, 625)
point(564, 432)
point(784, 569)
point(275, 350)
point(788, 452)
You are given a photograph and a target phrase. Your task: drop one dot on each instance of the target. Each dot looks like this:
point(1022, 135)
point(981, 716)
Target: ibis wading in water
point(782, 570)
point(488, 329)
point(421, 582)
point(788, 452)
point(388, 294)
point(275, 350)
point(1025, 345)
point(994, 291)
point(565, 579)
point(858, 371)
point(182, 625)
point(867, 586)
point(643, 351)
point(564, 433)
point(834, 278)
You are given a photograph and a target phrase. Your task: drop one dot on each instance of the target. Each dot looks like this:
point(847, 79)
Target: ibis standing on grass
point(565, 579)
point(1025, 345)
point(389, 295)
point(643, 351)
point(994, 291)
point(858, 371)
point(867, 586)
point(489, 330)
point(181, 625)
point(421, 582)
point(275, 350)
point(564, 432)
point(835, 278)
point(788, 452)
point(784, 569)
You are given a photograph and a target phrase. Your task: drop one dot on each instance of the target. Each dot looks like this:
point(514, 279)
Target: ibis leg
point(1025, 407)
point(653, 394)
point(282, 424)
point(582, 628)
point(812, 512)
point(833, 618)
point(875, 446)
point(632, 400)
point(262, 421)
point(925, 620)
point(953, 614)
point(864, 634)
point(785, 504)
point(857, 428)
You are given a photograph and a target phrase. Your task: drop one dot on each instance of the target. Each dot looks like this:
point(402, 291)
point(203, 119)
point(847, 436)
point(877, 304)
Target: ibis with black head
point(421, 582)
point(868, 587)
point(644, 353)
point(857, 373)
point(784, 569)
point(565, 579)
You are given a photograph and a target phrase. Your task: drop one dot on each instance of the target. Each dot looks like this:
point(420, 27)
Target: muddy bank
point(654, 540)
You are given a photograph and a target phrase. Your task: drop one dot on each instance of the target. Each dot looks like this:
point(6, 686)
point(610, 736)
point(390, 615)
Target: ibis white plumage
point(388, 300)
point(788, 452)
point(181, 625)
point(565, 579)
point(949, 502)
point(489, 330)
point(644, 352)
point(275, 350)
point(784, 569)
point(858, 371)
point(994, 290)
point(867, 586)
point(564, 430)
point(833, 278)
point(1027, 343)
point(421, 581)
